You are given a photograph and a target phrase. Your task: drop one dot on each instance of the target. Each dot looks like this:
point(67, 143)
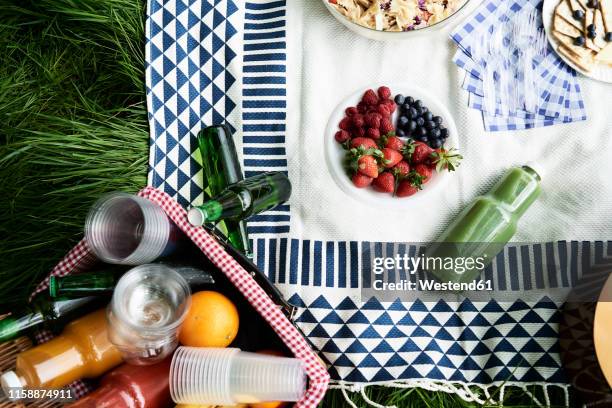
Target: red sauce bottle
point(131, 386)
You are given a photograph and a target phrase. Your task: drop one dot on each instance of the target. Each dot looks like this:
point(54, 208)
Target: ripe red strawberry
point(345, 124)
point(361, 180)
point(391, 157)
point(350, 111)
point(421, 153)
point(384, 92)
point(373, 133)
point(405, 188)
point(370, 97)
point(401, 169)
point(359, 132)
point(357, 120)
point(368, 166)
point(364, 142)
point(441, 159)
point(372, 120)
point(424, 171)
point(386, 126)
point(394, 142)
point(342, 136)
point(384, 183)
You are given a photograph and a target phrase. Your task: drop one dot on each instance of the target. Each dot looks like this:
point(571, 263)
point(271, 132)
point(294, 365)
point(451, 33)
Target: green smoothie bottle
point(241, 200)
point(487, 225)
point(222, 168)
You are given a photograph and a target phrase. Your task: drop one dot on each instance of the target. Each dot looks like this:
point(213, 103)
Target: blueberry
point(399, 99)
point(608, 36)
point(593, 3)
point(413, 113)
point(578, 14)
point(591, 27)
point(412, 126)
point(403, 121)
point(424, 110)
point(400, 133)
point(428, 116)
point(443, 132)
point(409, 100)
point(418, 104)
point(429, 125)
point(421, 132)
point(438, 120)
point(436, 144)
point(423, 139)
point(579, 41)
point(435, 133)
point(591, 34)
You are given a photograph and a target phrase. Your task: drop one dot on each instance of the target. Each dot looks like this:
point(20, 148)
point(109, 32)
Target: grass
point(73, 125)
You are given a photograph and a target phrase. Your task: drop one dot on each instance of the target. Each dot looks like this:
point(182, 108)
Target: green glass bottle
point(244, 199)
point(45, 312)
point(103, 283)
point(221, 169)
point(483, 228)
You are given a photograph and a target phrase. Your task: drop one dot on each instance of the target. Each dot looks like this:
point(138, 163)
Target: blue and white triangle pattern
point(190, 55)
point(464, 342)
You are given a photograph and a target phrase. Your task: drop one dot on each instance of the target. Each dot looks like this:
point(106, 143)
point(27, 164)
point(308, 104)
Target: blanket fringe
point(469, 392)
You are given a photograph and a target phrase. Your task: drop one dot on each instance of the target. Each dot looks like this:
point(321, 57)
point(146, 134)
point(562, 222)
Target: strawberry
point(442, 159)
point(351, 111)
point(361, 180)
point(386, 126)
point(364, 142)
point(401, 169)
point(345, 124)
point(373, 133)
point(368, 166)
point(405, 188)
point(370, 97)
point(384, 92)
point(424, 171)
point(384, 183)
point(421, 153)
point(391, 157)
point(393, 142)
point(342, 136)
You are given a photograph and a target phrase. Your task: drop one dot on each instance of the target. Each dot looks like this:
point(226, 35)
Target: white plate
point(600, 72)
point(334, 153)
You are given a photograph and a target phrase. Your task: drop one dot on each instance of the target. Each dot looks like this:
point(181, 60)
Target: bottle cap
point(10, 380)
point(195, 216)
point(536, 168)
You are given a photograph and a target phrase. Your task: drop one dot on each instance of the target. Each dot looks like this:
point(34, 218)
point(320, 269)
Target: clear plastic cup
point(228, 376)
point(130, 230)
point(149, 304)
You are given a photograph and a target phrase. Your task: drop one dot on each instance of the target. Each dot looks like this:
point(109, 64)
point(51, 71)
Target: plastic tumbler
point(228, 376)
point(130, 230)
point(149, 304)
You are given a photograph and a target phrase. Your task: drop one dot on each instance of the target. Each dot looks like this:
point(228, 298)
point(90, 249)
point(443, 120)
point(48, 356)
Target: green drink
point(244, 199)
point(103, 283)
point(45, 312)
point(487, 225)
point(222, 168)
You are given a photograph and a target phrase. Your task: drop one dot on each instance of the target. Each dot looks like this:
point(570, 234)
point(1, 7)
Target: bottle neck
point(84, 284)
point(519, 188)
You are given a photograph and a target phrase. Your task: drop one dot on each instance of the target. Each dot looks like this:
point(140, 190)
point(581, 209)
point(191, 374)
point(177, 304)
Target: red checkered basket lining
point(80, 258)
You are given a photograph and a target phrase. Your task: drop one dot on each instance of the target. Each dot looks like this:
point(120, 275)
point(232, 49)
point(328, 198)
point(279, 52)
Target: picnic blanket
point(274, 70)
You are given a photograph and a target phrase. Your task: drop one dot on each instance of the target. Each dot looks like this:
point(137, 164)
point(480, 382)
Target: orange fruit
point(212, 321)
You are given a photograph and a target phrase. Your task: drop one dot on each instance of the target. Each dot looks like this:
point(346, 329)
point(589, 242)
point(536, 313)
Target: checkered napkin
point(560, 100)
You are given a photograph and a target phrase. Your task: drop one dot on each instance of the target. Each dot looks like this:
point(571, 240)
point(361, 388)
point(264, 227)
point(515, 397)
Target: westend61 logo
point(461, 266)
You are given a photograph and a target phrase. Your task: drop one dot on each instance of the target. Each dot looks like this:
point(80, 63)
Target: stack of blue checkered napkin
point(559, 99)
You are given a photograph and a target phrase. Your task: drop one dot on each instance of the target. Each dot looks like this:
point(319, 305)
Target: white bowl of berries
point(391, 148)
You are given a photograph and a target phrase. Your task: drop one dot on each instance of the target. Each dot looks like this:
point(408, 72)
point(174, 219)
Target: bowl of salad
point(394, 19)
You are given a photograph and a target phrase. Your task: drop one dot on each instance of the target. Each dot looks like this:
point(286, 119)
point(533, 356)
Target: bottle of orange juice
point(81, 351)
